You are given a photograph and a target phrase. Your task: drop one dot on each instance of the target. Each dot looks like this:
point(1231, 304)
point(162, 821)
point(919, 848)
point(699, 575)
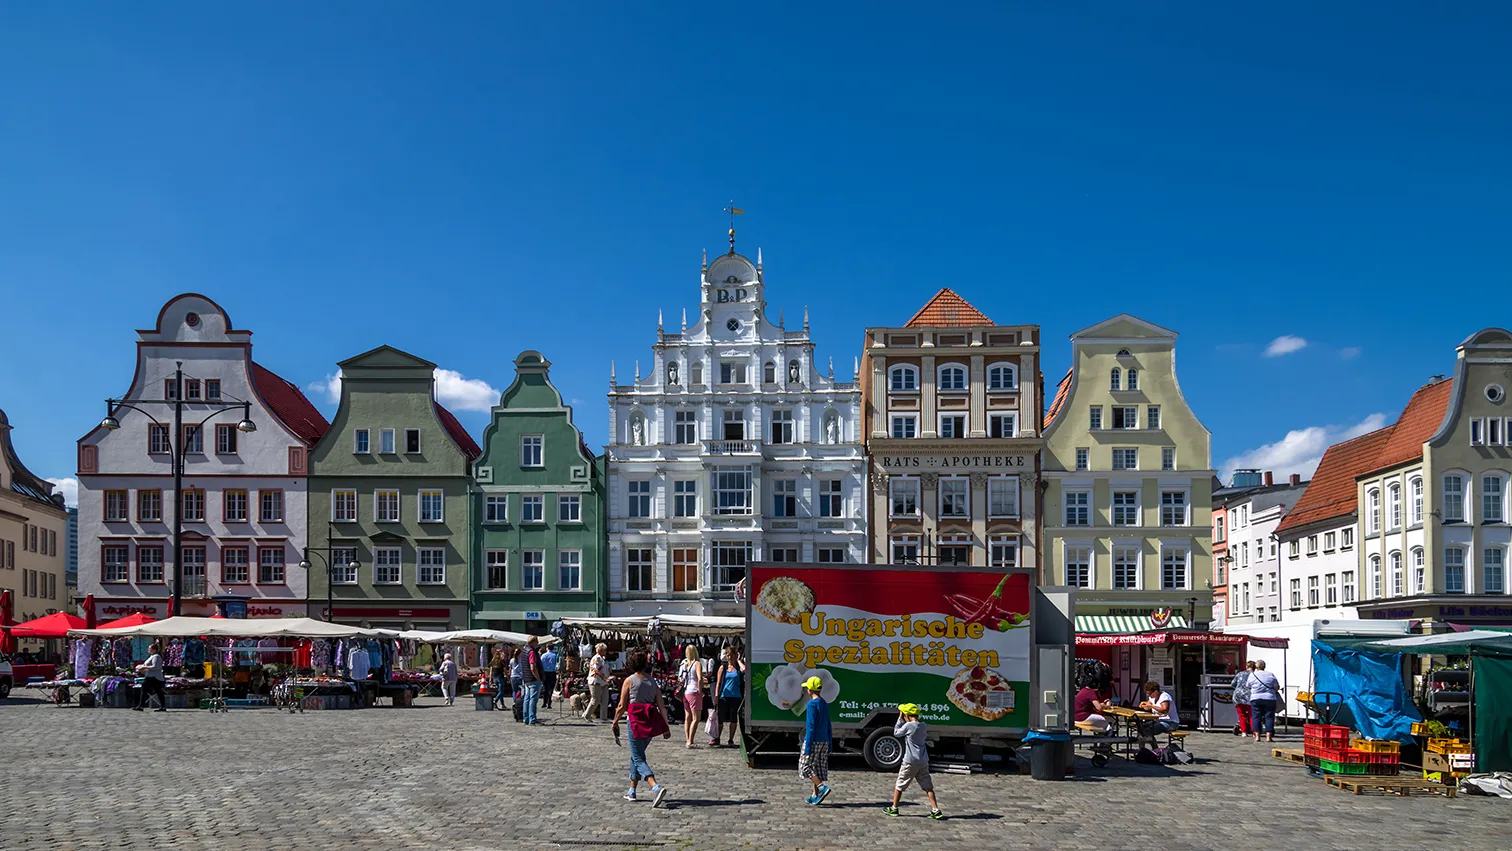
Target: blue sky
point(468, 183)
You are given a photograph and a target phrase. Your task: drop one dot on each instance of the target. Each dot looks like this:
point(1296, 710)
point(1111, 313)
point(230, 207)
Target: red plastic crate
point(1344, 756)
point(1312, 749)
point(1326, 732)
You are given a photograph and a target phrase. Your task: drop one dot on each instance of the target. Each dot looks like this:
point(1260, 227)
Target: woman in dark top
point(729, 681)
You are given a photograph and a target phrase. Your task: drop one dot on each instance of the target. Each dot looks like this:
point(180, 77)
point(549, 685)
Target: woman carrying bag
point(729, 685)
point(641, 700)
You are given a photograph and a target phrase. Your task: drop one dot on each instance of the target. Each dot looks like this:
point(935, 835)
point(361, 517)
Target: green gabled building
point(538, 511)
point(390, 493)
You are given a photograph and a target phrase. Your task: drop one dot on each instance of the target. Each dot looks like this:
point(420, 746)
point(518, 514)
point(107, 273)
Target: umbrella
point(89, 611)
point(134, 619)
point(55, 625)
point(7, 641)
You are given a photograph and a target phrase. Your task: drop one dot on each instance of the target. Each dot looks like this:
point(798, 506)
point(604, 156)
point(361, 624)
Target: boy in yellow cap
point(915, 765)
point(813, 761)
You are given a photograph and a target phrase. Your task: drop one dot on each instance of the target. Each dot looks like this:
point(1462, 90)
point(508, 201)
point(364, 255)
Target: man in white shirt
point(1161, 703)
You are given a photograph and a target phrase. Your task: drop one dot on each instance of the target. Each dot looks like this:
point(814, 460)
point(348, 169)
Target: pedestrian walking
point(516, 684)
point(549, 661)
point(641, 702)
point(530, 679)
point(448, 673)
point(913, 731)
point(813, 759)
point(730, 680)
point(690, 677)
point(1265, 697)
point(498, 670)
point(152, 680)
point(598, 685)
point(1242, 698)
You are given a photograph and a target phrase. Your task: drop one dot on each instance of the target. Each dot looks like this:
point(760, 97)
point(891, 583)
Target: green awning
point(1124, 624)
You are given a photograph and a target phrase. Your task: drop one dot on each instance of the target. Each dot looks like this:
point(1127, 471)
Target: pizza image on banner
point(956, 642)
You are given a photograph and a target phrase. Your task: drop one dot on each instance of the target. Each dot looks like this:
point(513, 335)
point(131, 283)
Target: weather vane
point(733, 211)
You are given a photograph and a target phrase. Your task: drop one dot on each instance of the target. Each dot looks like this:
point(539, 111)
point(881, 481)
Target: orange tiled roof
point(947, 309)
point(1331, 493)
point(1062, 395)
point(1419, 420)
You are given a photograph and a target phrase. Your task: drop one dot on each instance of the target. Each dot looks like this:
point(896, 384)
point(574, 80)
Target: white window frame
point(342, 572)
point(638, 499)
point(1167, 561)
point(1003, 551)
point(1415, 500)
point(782, 428)
point(419, 446)
point(532, 567)
point(1454, 557)
point(496, 508)
point(832, 498)
point(1295, 587)
point(1294, 547)
point(436, 556)
point(338, 500)
point(956, 417)
point(393, 516)
point(1186, 507)
point(903, 549)
point(362, 442)
point(942, 386)
point(1094, 418)
point(1348, 592)
point(685, 498)
point(1167, 458)
point(1454, 502)
point(685, 427)
point(1419, 570)
point(733, 501)
point(381, 570)
point(1377, 569)
point(1330, 589)
point(997, 486)
point(1312, 545)
point(1120, 462)
point(532, 451)
point(532, 504)
point(569, 508)
point(784, 498)
point(1346, 538)
point(1001, 425)
point(1152, 417)
point(959, 485)
point(910, 423)
point(1078, 509)
point(1330, 541)
point(1136, 567)
point(1493, 497)
point(1131, 379)
point(386, 444)
point(1373, 511)
point(1493, 556)
point(1398, 569)
point(1125, 417)
point(1083, 458)
point(911, 382)
point(905, 489)
point(1393, 507)
point(1121, 513)
point(640, 561)
point(495, 558)
point(993, 373)
point(1077, 562)
point(1115, 380)
point(569, 560)
point(440, 497)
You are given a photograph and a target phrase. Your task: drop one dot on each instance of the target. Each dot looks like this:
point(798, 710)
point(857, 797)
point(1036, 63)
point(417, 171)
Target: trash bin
point(1049, 752)
point(483, 701)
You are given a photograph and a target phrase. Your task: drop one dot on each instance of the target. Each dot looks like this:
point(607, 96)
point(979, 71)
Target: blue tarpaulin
point(1371, 684)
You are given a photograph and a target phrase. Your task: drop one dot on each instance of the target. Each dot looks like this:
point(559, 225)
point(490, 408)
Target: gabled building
point(1250, 583)
point(33, 538)
point(243, 503)
point(538, 511)
point(1127, 503)
point(952, 403)
point(390, 491)
point(737, 445)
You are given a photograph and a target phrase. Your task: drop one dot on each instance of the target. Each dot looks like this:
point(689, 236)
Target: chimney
point(1296, 479)
point(1270, 478)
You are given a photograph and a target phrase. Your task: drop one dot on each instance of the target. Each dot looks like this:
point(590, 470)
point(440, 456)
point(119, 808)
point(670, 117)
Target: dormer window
point(1125, 353)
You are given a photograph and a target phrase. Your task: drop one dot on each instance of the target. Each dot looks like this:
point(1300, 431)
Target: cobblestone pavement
point(441, 778)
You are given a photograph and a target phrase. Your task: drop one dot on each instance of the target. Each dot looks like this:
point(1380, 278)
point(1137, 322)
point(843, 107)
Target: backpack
point(1172, 756)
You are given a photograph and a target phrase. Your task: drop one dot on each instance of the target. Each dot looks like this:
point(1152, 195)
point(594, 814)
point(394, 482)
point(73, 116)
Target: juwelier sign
point(944, 463)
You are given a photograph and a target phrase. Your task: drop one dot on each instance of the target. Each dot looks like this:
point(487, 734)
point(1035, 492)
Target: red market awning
point(55, 625)
point(1164, 637)
point(133, 619)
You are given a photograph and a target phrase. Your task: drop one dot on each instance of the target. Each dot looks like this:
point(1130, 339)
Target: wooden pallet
point(1404, 786)
point(1287, 754)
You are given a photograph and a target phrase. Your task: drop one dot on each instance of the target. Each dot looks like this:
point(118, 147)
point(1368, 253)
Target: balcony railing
point(193, 586)
point(732, 447)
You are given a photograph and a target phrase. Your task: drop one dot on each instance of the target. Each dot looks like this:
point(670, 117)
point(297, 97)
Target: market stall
point(665, 637)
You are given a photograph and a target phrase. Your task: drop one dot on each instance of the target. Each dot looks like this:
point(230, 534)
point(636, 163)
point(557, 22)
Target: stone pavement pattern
point(442, 778)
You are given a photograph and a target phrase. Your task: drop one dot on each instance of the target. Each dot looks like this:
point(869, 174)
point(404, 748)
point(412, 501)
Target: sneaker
point(823, 793)
point(936, 814)
point(659, 794)
point(630, 796)
point(889, 811)
point(811, 799)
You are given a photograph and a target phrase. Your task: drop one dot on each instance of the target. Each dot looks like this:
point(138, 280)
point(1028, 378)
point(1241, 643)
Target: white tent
point(476, 636)
point(182, 627)
point(702, 625)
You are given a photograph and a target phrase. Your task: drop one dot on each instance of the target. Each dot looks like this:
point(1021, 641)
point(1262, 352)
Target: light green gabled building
point(390, 489)
point(538, 514)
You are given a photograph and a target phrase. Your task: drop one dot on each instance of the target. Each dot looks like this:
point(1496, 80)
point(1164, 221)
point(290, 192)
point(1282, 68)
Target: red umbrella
point(7, 641)
point(89, 611)
point(55, 625)
point(133, 619)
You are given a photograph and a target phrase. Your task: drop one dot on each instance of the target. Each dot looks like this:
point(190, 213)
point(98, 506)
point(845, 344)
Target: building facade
point(244, 493)
point(390, 490)
point(736, 446)
point(1129, 481)
point(33, 538)
point(952, 407)
point(1252, 558)
point(538, 511)
point(1434, 518)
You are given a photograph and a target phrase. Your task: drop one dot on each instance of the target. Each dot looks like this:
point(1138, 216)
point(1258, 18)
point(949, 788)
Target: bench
point(1099, 740)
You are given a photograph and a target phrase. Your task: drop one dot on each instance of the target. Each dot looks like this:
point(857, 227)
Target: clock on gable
point(733, 324)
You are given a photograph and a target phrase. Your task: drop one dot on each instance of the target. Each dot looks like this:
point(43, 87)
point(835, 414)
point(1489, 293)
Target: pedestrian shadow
point(697, 803)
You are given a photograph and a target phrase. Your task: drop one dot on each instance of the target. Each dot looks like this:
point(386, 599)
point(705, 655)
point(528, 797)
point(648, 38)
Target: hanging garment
point(120, 653)
point(302, 653)
point(176, 653)
point(358, 663)
point(194, 652)
point(83, 655)
point(320, 654)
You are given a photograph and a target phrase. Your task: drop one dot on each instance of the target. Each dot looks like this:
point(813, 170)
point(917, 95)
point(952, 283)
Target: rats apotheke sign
point(953, 463)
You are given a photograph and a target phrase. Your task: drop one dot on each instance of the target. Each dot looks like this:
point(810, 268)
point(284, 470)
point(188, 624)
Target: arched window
point(903, 379)
point(1394, 507)
point(1113, 379)
point(769, 373)
point(1131, 379)
point(1376, 582)
point(1419, 572)
point(1415, 491)
point(1125, 353)
point(952, 377)
point(1373, 512)
point(1002, 376)
point(1398, 581)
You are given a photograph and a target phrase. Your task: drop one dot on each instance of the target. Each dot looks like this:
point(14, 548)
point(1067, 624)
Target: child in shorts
point(915, 765)
point(813, 761)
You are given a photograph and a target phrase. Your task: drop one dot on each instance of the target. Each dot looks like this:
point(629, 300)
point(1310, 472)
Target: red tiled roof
point(1419, 420)
point(1331, 493)
point(1062, 395)
point(288, 404)
point(947, 309)
point(458, 434)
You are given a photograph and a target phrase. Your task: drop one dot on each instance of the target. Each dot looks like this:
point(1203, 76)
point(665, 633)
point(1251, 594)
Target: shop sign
point(1161, 618)
point(114, 611)
point(1394, 614)
point(955, 462)
point(385, 612)
point(270, 610)
point(1475, 611)
point(534, 616)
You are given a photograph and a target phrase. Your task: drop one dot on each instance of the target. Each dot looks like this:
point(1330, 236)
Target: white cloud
point(1285, 345)
point(1299, 451)
point(453, 389)
point(1349, 352)
point(70, 489)
point(464, 394)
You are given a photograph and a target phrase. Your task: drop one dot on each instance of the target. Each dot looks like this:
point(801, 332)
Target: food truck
point(985, 653)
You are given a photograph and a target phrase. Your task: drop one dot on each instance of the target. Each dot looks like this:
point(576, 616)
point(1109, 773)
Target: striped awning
point(1124, 624)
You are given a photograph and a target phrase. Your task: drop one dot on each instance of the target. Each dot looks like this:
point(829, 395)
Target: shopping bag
point(711, 727)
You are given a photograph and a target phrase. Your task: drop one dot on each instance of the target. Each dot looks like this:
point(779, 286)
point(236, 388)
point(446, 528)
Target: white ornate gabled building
point(736, 446)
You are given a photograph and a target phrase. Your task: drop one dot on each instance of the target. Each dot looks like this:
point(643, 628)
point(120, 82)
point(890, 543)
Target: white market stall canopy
point(474, 636)
point(182, 627)
point(682, 625)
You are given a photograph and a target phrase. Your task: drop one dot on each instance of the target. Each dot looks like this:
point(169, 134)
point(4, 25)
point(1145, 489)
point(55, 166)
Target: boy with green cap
point(915, 765)
point(813, 761)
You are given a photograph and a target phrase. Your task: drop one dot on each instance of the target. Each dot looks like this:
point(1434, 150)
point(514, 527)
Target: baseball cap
point(908, 708)
point(813, 683)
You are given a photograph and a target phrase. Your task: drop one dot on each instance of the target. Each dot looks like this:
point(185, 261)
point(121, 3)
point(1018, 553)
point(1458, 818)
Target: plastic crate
point(1420, 728)
point(1448, 746)
point(1326, 732)
point(1331, 767)
point(1382, 769)
point(1343, 756)
point(1311, 761)
point(1312, 749)
point(1375, 746)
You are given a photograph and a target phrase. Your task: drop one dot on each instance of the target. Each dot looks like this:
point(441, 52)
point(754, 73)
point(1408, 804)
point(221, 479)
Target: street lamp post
point(177, 448)
point(326, 556)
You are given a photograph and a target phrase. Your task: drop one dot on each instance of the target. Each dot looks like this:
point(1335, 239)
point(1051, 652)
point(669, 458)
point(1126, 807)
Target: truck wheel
point(5, 686)
point(883, 750)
